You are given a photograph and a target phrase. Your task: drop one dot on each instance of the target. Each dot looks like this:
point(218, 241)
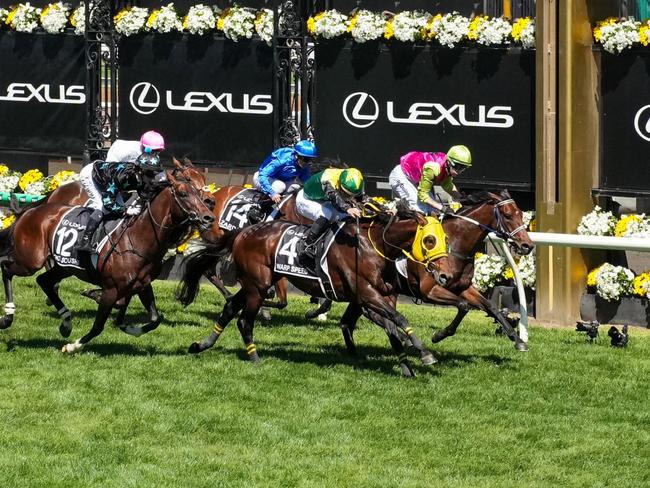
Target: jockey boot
point(86, 240)
point(307, 248)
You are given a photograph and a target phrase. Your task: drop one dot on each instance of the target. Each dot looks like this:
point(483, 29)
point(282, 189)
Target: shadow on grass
point(99, 349)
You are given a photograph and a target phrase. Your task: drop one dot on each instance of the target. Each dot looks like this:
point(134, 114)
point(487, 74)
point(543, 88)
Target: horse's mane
point(481, 197)
point(404, 212)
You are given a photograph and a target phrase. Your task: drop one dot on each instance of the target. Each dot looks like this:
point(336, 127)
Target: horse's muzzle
point(523, 248)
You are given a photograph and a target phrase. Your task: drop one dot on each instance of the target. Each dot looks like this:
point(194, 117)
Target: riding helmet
point(351, 181)
point(459, 155)
point(306, 149)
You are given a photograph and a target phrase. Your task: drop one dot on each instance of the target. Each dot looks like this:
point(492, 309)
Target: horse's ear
point(421, 219)
point(177, 163)
point(187, 162)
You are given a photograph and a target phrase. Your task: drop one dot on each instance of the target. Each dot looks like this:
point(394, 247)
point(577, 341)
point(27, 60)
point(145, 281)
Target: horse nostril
point(193, 215)
point(442, 279)
point(208, 218)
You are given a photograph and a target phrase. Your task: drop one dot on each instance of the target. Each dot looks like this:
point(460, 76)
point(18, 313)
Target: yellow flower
point(509, 274)
point(8, 220)
point(591, 277)
point(598, 35)
point(182, 248)
point(311, 25)
point(10, 17)
point(641, 284)
point(474, 26)
point(388, 30)
point(60, 178)
point(429, 31)
point(621, 226)
point(353, 22)
point(478, 255)
point(121, 14)
point(248, 185)
point(152, 18)
point(532, 225)
point(212, 187)
point(3, 169)
point(30, 177)
point(519, 26)
point(643, 34)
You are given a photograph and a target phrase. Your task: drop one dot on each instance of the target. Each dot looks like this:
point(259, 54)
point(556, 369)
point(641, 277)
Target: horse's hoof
point(429, 359)
point(48, 302)
point(194, 348)
point(265, 315)
point(65, 331)
point(521, 346)
point(71, 347)
point(255, 358)
point(5, 322)
point(436, 338)
point(407, 372)
point(311, 314)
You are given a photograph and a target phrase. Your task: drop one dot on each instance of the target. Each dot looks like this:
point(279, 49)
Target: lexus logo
point(360, 110)
point(144, 98)
point(642, 122)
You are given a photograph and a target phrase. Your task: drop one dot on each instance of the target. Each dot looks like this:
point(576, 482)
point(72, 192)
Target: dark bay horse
point(483, 212)
point(359, 275)
point(125, 267)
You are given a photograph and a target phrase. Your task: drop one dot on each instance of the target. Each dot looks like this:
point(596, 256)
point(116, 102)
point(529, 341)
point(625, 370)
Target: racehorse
point(483, 212)
point(124, 268)
point(359, 274)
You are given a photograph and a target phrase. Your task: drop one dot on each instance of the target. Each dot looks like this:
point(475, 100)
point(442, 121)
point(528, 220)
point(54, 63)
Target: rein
point(383, 238)
point(499, 231)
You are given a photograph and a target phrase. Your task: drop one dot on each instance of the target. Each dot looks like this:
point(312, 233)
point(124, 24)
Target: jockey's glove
point(455, 206)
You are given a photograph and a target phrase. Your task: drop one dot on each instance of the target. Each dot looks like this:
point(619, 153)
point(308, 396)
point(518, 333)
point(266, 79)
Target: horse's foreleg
point(49, 283)
point(476, 299)
point(121, 315)
point(247, 320)
point(149, 302)
point(322, 310)
point(213, 277)
point(230, 309)
point(106, 302)
point(10, 307)
point(348, 324)
point(451, 329)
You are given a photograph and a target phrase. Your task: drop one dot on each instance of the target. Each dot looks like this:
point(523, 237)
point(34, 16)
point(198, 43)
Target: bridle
point(501, 231)
point(184, 209)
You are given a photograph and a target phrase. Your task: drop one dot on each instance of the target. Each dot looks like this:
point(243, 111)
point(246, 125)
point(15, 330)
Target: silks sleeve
point(335, 198)
point(429, 173)
point(265, 175)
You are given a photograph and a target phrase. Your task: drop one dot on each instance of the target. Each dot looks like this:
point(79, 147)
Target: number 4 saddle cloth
point(69, 232)
point(286, 256)
point(247, 207)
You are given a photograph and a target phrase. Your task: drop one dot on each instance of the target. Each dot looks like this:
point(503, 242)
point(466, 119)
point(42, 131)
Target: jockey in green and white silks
point(327, 197)
point(413, 179)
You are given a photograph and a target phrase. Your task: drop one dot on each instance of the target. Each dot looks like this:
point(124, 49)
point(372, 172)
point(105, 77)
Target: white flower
point(264, 25)
point(238, 22)
point(328, 24)
point(612, 282)
point(366, 26)
point(488, 270)
point(78, 19)
point(635, 226)
point(527, 217)
point(54, 17)
point(527, 270)
point(408, 26)
point(8, 183)
point(25, 18)
point(164, 20)
point(199, 19)
point(620, 35)
point(131, 20)
point(528, 35)
point(494, 31)
point(450, 29)
point(597, 223)
point(3, 15)
point(39, 187)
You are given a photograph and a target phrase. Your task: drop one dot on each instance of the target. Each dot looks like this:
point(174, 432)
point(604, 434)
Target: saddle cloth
point(286, 256)
point(70, 230)
point(240, 207)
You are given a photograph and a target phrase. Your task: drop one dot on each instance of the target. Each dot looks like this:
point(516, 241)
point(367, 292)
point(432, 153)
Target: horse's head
point(190, 172)
point(508, 220)
point(196, 204)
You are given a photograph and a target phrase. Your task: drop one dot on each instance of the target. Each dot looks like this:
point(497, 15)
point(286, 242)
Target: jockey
point(283, 167)
point(122, 151)
point(105, 181)
point(413, 179)
point(326, 197)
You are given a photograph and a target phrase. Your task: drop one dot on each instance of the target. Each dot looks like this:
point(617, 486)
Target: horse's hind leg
point(451, 329)
point(246, 322)
point(213, 277)
point(49, 283)
point(10, 307)
point(230, 309)
point(322, 310)
point(121, 313)
point(348, 324)
point(106, 302)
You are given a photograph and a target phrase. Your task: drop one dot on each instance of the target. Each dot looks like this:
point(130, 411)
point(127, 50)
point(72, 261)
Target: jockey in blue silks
point(283, 167)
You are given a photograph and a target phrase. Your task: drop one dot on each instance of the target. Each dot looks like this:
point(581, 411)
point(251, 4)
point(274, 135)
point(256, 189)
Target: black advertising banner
point(209, 97)
point(42, 94)
point(375, 103)
point(625, 128)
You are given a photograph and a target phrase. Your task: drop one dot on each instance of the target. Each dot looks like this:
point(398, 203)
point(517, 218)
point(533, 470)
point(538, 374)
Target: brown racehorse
point(74, 194)
point(359, 275)
point(125, 267)
point(483, 212)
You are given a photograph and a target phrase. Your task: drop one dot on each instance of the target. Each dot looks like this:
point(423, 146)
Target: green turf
point(142, 412)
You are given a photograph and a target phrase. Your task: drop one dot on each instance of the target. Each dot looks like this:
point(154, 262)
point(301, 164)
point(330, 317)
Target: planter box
point(507, 297)
point(626, 311)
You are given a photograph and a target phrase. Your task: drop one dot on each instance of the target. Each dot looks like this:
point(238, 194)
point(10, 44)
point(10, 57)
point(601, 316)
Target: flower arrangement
point(31, 176)
point(528, 218)
point(237, 22)
point(9, 181)
point(78, 19)
point(264, 25)
point(62, 178)
point(641, 285)
point(199, 19)
point(494, 31)
point(164, 19)
point(450, 29)
point(131, 20)
point(23, 17)
point(488, 271)
point(633, 226)
point(4, 169)
point(54, 17)
point(616, 35)
point(3, 15)
point(6, 218)
point(597, 223)
point(328, 24)
point(366, 26)
point(39, 187)
point(611, 282)
point(408, 26)
point(523, 31)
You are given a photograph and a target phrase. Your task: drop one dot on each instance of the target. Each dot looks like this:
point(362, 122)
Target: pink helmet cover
point(152, 140)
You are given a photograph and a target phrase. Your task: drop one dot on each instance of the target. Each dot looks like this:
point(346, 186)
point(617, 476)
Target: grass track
point(141, 412)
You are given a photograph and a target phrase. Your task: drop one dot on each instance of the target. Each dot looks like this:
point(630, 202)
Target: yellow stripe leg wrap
point(250, 349)
point(408, 331)
point(217, 330)
point(402, 358)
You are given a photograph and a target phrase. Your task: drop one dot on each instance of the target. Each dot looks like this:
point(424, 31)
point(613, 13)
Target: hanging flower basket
point(627, 310)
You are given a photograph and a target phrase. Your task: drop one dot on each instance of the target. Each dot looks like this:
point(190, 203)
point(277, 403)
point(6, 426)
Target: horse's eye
point(182, 194)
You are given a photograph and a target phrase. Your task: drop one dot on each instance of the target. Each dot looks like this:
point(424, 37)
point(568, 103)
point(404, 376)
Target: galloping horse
point(483, 212)
point(358, 275)
point(124, 268)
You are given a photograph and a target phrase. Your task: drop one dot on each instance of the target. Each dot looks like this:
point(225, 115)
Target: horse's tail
point(7, 240)
point(196, 263)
